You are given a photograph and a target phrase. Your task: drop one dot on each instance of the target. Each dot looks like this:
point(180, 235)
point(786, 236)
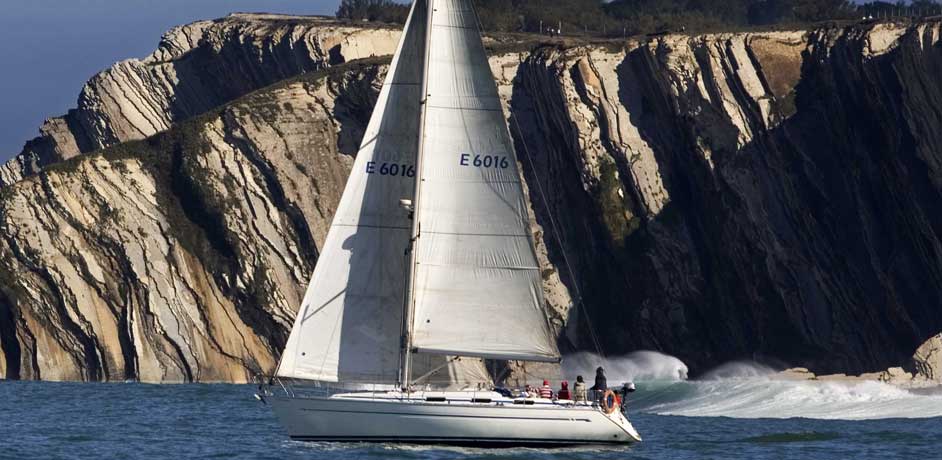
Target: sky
point(49, 48)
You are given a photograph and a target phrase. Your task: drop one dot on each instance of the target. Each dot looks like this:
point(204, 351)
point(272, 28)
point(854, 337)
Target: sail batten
point(498, 353)
point(478, 286)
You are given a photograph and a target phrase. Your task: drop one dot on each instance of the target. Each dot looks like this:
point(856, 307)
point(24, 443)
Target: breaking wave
point(748, 390)
point(741, 390)
point(648, 366)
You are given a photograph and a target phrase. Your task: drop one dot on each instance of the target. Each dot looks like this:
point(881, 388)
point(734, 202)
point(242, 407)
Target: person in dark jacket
point(601, 383)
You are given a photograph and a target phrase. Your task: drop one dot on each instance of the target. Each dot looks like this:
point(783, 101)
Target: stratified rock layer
point(770, 196)
point(185, 256)
point(733, 196)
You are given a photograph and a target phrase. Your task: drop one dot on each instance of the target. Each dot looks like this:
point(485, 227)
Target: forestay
point(349, 325)
point(478, 288)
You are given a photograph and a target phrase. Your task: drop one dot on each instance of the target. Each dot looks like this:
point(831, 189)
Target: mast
point(409, 298)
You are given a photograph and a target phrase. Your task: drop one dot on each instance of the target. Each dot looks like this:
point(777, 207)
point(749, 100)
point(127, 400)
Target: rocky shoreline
point(926, 374)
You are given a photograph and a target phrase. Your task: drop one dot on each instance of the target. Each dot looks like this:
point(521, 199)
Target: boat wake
point(752, 392)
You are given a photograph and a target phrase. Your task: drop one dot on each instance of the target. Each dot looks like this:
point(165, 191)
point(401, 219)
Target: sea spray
point(741, 395)
point(636, 366)
point(738, 370)
point(743, 389)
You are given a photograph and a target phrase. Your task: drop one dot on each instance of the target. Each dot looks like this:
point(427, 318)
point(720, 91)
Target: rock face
point(182, 257)
point(927, 363)
point(733, 196)
point(928, 360)
point(771, 196)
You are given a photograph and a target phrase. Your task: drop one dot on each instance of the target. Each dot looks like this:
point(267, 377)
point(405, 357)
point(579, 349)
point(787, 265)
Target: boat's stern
point(622, 422)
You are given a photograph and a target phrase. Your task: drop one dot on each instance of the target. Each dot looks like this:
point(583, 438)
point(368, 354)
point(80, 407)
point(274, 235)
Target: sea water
point(739, 415)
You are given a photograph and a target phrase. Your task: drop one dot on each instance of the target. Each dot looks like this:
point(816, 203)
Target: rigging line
point(575, 282)
point(477, 19)
point(549, 329)
point(579, 304)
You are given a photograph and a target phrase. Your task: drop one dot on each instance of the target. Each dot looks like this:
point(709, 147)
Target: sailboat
point(429, 269)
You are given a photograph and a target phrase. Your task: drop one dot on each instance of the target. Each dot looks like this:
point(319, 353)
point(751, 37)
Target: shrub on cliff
point(618, 17)
point(373, 10)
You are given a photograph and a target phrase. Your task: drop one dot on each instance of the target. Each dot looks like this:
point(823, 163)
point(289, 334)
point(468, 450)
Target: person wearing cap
point(546, 391)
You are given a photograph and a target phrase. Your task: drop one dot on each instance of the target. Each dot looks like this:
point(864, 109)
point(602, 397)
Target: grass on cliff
point(619, 221)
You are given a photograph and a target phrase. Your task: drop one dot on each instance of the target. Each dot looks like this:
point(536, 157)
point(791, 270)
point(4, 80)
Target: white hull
point(364, 417)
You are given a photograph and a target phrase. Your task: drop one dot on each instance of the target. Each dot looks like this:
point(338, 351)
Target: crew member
point(563, 391)
point(579, 393)
point(601, 384)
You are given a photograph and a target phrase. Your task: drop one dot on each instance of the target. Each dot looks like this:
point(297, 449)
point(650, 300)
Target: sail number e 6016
point(390, 169)
point(484, 161)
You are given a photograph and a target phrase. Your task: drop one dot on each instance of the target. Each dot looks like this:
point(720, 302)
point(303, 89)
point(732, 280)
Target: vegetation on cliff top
point(373, 10)
point(631, 17)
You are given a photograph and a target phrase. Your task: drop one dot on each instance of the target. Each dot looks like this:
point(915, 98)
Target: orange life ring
point(609, 402)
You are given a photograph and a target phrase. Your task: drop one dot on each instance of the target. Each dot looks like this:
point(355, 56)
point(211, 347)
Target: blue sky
point(49, 48)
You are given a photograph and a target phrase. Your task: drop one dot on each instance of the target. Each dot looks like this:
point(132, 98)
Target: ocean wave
point(650, 366)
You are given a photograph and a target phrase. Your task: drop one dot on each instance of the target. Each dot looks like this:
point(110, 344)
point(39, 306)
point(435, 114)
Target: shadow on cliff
point(209, 77)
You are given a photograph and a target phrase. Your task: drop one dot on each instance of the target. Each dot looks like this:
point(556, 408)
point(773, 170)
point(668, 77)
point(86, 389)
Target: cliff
point(767, 195)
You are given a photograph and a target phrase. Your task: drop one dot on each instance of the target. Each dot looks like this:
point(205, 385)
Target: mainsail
point(349, 325)
point(477, 283)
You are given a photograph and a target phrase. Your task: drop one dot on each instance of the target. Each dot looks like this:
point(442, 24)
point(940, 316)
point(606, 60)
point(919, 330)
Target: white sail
point(478, 289)
point(348, 327)
point(442, 371)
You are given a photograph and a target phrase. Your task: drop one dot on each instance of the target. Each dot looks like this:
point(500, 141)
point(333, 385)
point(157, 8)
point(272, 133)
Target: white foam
point(757, 397)
point(636, 366)
point(749, 390)
point(738, 370)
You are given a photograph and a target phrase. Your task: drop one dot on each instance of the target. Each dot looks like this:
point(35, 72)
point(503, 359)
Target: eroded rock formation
point(926, 371)
point(183, 256)
point(733, 196)
point(928, 360)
